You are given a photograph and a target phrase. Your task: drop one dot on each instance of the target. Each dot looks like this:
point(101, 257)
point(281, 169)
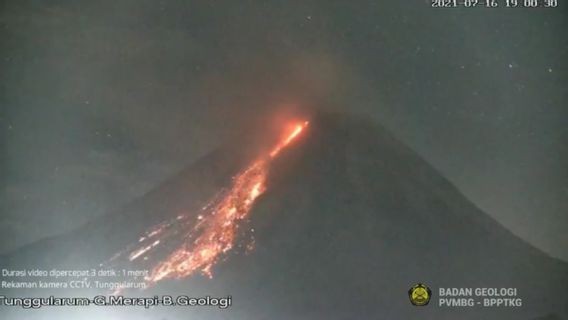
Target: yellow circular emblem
point(420, 294)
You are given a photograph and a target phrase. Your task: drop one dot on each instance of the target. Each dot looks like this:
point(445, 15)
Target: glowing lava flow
point(297, 130)
point(214, 233)
point(217, 230)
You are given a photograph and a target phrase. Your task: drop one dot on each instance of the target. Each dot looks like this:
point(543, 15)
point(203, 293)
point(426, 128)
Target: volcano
point(349, 219)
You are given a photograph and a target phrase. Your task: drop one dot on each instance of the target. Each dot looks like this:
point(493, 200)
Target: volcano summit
point(347, 220)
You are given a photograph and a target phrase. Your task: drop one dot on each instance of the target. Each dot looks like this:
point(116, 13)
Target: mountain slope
point(352, 208)
point(351, 218)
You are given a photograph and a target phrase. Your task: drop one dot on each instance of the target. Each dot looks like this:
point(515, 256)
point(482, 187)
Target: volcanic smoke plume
point(346, 219)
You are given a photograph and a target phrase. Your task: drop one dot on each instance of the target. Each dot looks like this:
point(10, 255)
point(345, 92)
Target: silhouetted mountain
point(351, 219)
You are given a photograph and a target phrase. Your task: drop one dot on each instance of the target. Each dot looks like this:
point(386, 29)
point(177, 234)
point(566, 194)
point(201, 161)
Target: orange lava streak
point(215, 230)
point(297, 130)
point(218, 231)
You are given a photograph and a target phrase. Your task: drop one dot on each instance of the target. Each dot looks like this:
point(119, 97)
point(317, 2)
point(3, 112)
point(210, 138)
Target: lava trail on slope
point(184, 246)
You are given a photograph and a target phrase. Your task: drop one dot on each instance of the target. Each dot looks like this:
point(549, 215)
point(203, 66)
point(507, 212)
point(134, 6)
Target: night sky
point(102, 100)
